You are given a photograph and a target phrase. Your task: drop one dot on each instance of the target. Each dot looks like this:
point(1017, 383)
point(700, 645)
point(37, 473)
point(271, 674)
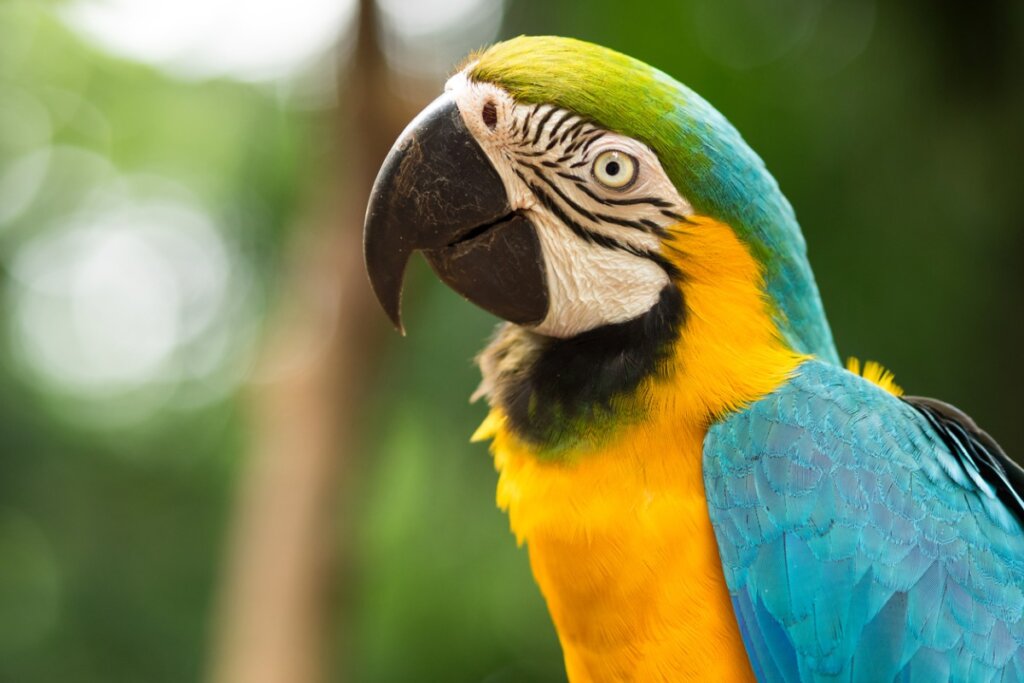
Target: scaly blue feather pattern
point(855, 545)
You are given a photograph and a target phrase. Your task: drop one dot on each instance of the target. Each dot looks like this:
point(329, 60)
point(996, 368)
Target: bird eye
point(614, 169)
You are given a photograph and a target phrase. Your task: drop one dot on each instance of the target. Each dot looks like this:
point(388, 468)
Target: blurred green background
point(216, 461)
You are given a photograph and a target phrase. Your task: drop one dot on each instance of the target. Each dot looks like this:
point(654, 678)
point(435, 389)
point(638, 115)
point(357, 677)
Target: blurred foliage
point(894, 129)
point(110, 538)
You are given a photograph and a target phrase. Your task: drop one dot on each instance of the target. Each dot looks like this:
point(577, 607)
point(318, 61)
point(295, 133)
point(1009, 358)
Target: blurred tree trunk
point(284, 546)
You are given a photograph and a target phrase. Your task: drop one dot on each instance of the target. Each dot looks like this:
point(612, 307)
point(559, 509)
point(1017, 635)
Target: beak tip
point(386, 270)
point(393, 309)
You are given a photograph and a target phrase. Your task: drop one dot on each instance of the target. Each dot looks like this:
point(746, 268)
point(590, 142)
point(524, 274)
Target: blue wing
point(857, 546)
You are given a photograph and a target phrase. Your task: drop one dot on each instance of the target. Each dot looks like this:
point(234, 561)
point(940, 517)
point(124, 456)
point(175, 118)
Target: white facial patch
point(598, 200)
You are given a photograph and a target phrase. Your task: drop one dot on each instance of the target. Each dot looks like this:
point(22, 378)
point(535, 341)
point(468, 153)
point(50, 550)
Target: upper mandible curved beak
point(437, 192)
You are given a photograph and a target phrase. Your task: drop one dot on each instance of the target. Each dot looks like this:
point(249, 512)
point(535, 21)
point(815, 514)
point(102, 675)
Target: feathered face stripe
point(599, 201)
point(592, 236)
point(552, 144)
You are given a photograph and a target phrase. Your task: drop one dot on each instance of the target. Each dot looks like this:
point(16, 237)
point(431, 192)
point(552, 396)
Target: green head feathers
point(703, 155)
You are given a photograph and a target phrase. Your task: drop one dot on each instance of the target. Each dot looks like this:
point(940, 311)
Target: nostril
point(489, 114)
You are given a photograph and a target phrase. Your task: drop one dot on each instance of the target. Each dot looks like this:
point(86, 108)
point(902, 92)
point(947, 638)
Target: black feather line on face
point(583, 136)
point(526, 123)
point(565, 198)
point(540, 126)
point(656, 202)
point(675, 216)
point(590, 236)
point(573, 131)
point(592, 217)
point(575, 145)
point(592, 140)
point(548, 202)
point(558, 124)
point(597, 238)
point(524, 133)
point(529, 154)
point(624, 222)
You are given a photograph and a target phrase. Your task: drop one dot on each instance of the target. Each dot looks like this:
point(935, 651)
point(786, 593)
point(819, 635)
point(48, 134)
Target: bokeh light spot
point(425, 37)
point(107, 304)
point(20, 182)
point(253, 40)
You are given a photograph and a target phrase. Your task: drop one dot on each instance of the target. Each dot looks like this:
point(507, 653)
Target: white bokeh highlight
point(252, 40)
point(133, 295)
point(426, 38)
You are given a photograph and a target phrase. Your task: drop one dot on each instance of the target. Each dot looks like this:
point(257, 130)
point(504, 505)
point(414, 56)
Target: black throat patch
point(557, 393)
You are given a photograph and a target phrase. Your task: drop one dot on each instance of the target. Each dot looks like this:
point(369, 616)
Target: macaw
point(704, 491)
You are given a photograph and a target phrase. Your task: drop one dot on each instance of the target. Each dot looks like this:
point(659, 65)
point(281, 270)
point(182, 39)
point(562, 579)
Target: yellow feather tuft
point(488, 429)
point(876, 374)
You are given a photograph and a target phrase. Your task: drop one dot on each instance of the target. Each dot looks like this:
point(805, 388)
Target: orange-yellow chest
point(622, 547)
point(619, 535)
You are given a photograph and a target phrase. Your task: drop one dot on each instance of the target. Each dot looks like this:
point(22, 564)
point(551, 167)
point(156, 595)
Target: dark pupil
point(612, 168)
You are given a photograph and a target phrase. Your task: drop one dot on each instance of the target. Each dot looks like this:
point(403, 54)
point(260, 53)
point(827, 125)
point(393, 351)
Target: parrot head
point(549, 184)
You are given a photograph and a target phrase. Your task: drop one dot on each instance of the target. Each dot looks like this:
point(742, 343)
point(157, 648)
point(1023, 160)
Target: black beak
point(437, 192)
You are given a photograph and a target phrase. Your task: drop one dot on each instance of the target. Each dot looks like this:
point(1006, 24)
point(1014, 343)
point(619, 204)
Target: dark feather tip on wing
point(975, 450)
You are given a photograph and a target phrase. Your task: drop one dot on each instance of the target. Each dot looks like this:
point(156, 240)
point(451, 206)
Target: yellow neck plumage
point(619, 536)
